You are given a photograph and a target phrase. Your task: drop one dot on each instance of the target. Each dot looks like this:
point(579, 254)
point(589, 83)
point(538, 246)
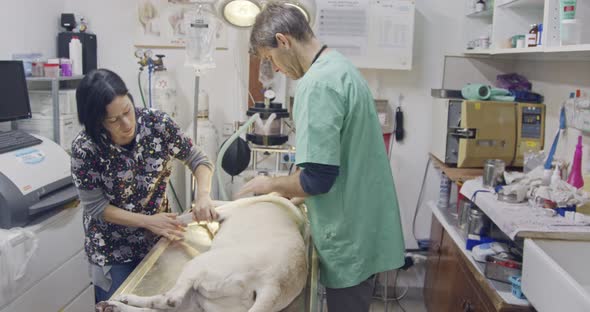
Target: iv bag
point(201, 26)
point(266, 74)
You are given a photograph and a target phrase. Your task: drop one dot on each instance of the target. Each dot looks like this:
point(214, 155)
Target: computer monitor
point(14, 95)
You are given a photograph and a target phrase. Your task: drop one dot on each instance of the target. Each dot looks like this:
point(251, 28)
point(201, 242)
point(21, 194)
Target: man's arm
point(315, 179)
point(288, 186)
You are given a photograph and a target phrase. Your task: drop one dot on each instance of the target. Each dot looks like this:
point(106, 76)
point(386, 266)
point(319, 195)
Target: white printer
point(34, 171)
point(33, 180)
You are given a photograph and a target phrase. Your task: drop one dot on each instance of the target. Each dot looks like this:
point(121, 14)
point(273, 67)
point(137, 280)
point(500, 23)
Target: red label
point(569, 8)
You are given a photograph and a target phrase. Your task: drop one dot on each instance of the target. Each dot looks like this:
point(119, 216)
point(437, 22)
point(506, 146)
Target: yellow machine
point(466, 133)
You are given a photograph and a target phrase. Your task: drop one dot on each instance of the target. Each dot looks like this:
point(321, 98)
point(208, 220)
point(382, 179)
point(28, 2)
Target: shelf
point(569, 48)
point(482, 14)
point(456, 174)
point(448, 221)
point(519, 50)
point(521, 4)
point(479, 51)
point(574, 52)
point(52, 79)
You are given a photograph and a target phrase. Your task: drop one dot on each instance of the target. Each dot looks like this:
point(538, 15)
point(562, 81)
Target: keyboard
point(16, 139)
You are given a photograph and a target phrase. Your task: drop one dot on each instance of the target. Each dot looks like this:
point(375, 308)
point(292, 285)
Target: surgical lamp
point(242, 13)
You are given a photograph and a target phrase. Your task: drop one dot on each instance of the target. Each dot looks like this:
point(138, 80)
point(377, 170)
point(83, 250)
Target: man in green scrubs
point(344, 175)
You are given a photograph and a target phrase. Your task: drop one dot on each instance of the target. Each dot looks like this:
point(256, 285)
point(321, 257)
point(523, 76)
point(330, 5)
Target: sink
point(556, 275)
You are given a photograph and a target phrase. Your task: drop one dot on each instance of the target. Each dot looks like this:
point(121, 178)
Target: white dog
point(257, 263)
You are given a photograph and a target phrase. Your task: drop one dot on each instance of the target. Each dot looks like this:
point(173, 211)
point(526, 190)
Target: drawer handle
point(467, 307)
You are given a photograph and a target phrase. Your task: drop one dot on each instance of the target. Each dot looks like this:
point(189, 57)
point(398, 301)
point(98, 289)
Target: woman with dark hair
point(121, 166)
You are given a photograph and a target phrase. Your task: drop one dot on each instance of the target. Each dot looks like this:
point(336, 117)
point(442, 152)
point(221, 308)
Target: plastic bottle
point(570, 110)
point(75, 48)
point(575, 178)
point(556, 177)
point(540, 35)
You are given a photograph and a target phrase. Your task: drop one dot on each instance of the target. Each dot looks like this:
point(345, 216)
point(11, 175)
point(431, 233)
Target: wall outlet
point(228, 129)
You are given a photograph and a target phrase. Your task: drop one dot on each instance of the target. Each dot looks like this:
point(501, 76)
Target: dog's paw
point(171, 300)
point(107, 306)
point(122, 299)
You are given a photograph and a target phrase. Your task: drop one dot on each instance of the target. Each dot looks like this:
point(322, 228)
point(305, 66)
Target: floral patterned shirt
point(133, 179)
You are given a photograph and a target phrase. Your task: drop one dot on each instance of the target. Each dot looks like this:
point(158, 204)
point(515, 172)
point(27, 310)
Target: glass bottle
point(532, 36)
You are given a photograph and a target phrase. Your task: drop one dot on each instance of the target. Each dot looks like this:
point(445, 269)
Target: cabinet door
point(436, 232)
point(448, 272)
point(469, 296)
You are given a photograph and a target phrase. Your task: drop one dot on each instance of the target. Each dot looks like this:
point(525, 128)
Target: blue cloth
point(119, 273)
point(318, 179)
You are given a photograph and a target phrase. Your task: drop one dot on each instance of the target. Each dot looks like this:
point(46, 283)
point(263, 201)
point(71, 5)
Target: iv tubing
point(224, 147)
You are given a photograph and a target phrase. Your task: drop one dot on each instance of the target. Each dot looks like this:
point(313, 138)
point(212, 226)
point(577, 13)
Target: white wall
point(437, 32)
point(28, 26)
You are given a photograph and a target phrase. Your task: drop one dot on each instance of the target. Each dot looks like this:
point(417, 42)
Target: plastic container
point(66, 68)
point(571, 32)
point(516, 283)
point(567, 9)
point(51, 70)
point(75, 48)
point(515, 39)
point(444, 195)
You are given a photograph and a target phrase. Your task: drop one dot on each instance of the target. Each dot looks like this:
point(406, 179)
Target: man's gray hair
point(278, 18)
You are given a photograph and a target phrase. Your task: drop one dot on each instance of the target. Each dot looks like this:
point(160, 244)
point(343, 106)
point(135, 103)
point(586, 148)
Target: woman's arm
point(204, 210)
point(164, 224)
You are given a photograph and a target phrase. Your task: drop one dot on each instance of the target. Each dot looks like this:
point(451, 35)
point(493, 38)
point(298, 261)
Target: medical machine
point(268, 129)
point(466, 133)
point(34, 171)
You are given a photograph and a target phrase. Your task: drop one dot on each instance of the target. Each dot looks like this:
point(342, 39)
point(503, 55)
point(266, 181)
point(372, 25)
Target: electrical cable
point(140, 91)
point(402, 296)
point(394, 292)
point(419, 201)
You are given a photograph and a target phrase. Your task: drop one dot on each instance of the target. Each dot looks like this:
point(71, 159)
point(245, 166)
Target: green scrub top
point(356, 226)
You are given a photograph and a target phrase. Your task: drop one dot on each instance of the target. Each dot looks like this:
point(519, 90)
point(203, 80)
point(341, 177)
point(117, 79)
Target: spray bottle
point(575, 178)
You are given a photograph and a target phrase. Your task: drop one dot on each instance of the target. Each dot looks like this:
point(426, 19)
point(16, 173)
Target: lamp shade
point(240, 13)
point(307, 7)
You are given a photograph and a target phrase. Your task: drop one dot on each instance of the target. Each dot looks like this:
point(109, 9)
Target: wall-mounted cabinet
point(498, 29)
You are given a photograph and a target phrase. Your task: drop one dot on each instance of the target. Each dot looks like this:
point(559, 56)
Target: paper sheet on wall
point(372, 33)
point(392, 29)
point(342, 24)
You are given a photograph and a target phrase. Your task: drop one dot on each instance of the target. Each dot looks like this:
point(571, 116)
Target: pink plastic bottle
point(575, 177)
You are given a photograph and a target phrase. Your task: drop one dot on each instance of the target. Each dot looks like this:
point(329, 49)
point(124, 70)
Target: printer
point(33, 180)
point(34, 171)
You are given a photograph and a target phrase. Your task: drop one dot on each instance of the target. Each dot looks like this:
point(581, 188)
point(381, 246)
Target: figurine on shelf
point(83, 24)
point(480, 6)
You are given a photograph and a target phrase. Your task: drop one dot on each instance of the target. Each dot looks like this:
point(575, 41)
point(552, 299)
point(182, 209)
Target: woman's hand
point(166, 225)
point(203, 209)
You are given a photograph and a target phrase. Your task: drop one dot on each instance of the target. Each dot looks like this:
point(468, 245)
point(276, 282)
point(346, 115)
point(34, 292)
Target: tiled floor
point(409, 305)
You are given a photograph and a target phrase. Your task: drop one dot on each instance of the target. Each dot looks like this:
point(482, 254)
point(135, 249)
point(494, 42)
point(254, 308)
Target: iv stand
point(195, 118)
